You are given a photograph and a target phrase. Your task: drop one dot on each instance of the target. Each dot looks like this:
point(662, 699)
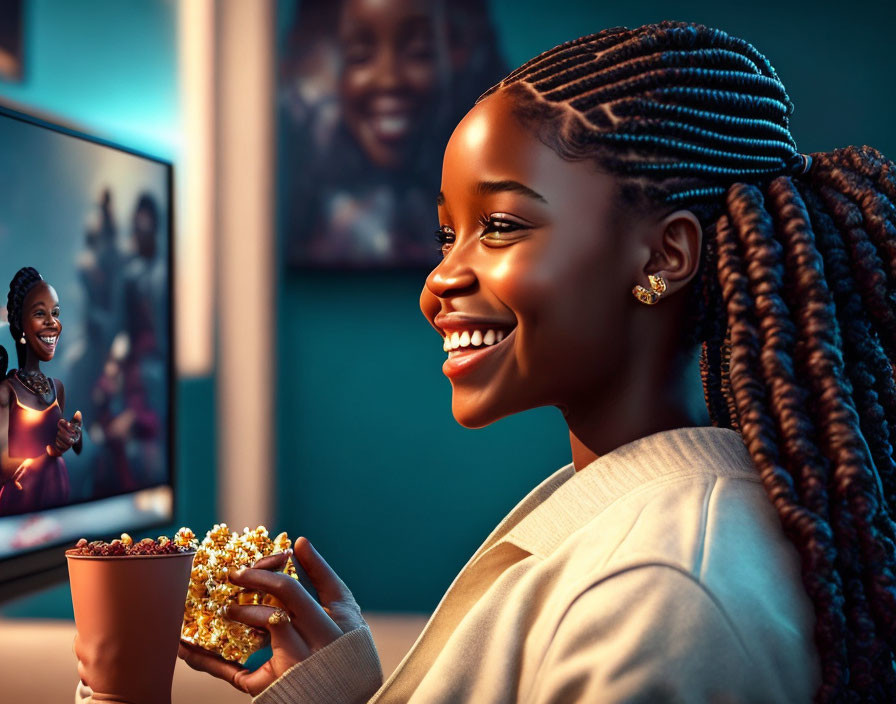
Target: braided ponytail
point(23, 281)
point(793, 305)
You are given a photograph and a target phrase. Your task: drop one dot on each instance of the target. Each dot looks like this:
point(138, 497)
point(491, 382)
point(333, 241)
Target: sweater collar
point(567, 500)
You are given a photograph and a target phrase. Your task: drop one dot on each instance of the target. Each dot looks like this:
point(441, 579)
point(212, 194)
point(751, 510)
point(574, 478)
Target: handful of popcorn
point(210, 591)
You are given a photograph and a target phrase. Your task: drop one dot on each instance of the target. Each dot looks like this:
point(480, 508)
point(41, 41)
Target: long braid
point(24, 279)
point(793, 306)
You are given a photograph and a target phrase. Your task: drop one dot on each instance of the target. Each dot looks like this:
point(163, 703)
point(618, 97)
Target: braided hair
point(24, 280)
point(793, 305)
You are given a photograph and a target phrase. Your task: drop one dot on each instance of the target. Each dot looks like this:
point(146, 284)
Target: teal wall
point(110, 68)
point(371, 465)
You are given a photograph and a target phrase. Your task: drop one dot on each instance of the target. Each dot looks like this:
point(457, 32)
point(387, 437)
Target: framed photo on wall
point(368, 93)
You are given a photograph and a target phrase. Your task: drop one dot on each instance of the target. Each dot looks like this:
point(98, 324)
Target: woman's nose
point(387, 70)
point(452, 275)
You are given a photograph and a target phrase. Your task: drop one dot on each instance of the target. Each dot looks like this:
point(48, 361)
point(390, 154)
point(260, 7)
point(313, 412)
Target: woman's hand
point(20, 472)
point(67, 434)
point(303, 629)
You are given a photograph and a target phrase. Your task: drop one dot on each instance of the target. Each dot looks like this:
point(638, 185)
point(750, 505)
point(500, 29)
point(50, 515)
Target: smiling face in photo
point(40, 320)
point(389, 82)
point(532, 288)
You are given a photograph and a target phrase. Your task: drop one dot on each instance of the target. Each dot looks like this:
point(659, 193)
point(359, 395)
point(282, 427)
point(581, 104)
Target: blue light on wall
point(105, 66)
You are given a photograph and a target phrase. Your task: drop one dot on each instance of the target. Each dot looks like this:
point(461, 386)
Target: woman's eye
point(445, 238)
point(55, 312)
point(498, 232)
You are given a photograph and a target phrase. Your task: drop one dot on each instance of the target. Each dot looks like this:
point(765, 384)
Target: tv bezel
point(40, 567)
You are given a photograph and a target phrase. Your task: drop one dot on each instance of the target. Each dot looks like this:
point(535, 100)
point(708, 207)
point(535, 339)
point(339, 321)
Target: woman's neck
point(32, 364)
point(638, 407)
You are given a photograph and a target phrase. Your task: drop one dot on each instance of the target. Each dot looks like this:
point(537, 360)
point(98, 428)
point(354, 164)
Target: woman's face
point(390, 76)
point(534, 256)
point(40, 320)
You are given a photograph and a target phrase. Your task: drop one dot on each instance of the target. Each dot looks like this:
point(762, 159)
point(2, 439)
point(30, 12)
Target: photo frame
point(367, 96)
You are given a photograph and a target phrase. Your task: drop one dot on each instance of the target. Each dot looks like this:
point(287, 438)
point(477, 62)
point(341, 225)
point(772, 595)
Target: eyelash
point(489, 224)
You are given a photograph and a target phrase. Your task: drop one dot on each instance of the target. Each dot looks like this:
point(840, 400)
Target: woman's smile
point(49, 342)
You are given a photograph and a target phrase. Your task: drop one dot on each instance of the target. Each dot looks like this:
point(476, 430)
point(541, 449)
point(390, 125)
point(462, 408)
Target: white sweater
point(657, 573)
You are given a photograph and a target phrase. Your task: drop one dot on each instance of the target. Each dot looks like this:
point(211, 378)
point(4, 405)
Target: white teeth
point(473, 339)
point(48, 340)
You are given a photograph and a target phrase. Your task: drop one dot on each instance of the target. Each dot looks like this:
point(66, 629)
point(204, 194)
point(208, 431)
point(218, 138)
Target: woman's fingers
point(66, 434)
point(20, 472)
point(245, 680)
point(82, 674)
point(334, 595)
point(204, 661)
point(275, 562)
point(311, 621)
point(328, 584)
point(276, 621)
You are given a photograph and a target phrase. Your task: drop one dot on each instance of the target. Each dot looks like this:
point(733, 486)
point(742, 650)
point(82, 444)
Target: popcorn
point(210, 591)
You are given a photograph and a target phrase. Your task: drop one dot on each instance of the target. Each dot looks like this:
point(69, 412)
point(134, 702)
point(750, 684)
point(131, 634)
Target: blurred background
point(309, 394)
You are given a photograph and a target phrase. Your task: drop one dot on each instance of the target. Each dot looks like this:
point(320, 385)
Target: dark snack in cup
point(184, 541)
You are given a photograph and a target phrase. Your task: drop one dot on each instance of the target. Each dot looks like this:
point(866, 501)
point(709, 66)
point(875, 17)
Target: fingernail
point(234, 572)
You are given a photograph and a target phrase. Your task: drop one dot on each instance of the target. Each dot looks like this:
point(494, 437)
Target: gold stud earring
point(650, 297)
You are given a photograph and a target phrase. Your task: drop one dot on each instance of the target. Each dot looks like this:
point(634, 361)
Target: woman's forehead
point(491, 144)
point(41, 293)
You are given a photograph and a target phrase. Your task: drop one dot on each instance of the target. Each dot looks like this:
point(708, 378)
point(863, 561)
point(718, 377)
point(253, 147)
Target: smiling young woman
point(612, 209)
point(34, 434)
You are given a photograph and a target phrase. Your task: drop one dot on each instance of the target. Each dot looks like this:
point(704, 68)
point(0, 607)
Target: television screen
point(85, 327)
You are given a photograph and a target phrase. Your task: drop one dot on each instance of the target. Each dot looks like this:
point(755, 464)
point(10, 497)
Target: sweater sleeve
point(347, 671)
point(648, 634)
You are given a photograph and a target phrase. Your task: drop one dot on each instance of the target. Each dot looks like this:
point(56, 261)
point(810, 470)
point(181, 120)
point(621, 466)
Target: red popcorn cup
point(128, 613)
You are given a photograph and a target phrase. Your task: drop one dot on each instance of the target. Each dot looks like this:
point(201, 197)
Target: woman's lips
point(49, 342)
point(390, 128)
point(463, 360)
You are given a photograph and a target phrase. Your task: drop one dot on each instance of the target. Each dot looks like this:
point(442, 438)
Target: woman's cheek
point(422, 81)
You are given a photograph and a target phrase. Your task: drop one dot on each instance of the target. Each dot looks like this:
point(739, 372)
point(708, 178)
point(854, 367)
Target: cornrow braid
point(793, 305)
point(23, 281)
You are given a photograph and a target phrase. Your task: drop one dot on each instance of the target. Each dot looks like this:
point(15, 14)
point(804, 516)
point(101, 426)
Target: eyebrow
point(488, 187)
point(41, 304)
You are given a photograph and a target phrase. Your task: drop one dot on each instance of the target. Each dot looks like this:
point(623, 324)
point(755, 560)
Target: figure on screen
point(34, 434)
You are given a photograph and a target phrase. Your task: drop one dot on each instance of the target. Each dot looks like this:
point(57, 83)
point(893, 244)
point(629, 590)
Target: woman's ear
point(676, 249)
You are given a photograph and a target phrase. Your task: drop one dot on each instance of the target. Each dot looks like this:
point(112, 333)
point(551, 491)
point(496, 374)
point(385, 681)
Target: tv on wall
point(86, 369)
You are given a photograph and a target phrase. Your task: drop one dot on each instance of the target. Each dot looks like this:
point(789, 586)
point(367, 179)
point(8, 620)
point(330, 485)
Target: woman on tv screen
point(34, 434)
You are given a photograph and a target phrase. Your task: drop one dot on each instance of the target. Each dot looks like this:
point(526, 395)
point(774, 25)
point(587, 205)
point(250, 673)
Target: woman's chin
point(473, 416)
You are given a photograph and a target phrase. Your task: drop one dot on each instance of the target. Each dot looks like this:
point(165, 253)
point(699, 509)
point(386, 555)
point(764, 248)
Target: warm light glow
point(194, 199)
point(32, 416)
point(246, 44)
